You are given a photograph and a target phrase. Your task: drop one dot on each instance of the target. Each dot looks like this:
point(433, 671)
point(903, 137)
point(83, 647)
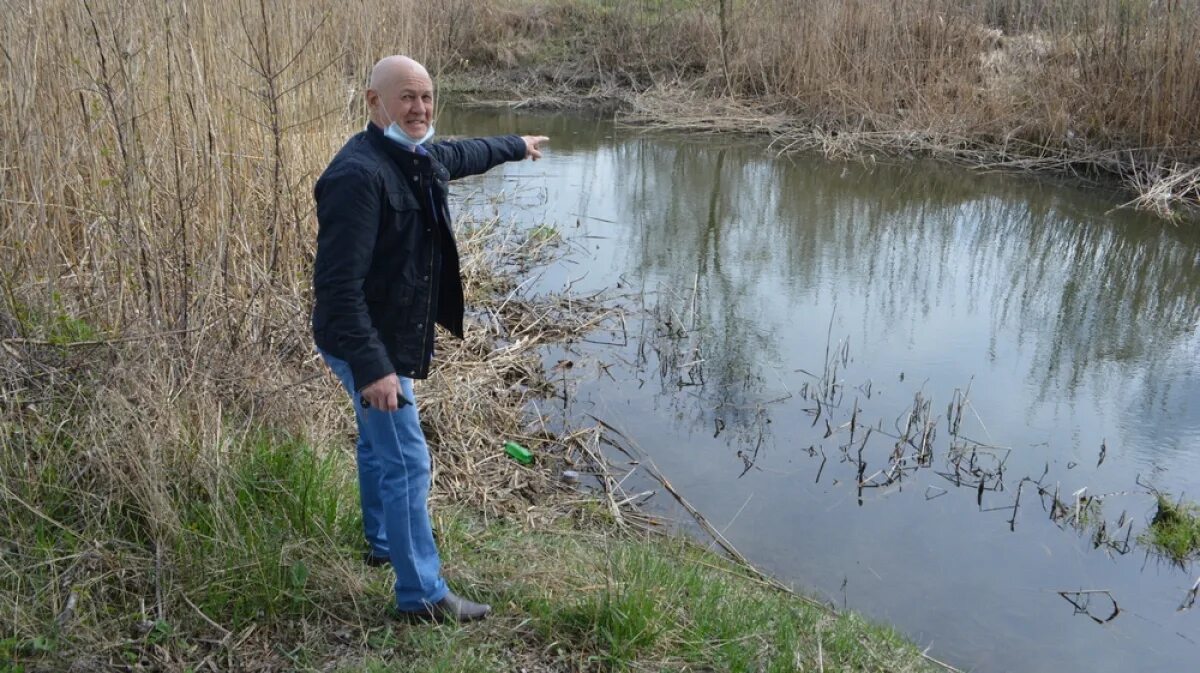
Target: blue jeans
point(393, 486)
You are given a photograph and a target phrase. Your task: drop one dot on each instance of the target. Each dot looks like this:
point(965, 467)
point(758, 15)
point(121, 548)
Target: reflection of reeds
point(963, 462)
point(675, 337)
point(1075, 294)
point(1082, 601)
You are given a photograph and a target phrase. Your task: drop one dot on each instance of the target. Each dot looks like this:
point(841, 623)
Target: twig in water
point(1189, 599)
point(1082, 599)
point(1012, 523)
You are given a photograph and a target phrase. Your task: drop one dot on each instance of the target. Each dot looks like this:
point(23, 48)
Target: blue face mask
point(393, 131)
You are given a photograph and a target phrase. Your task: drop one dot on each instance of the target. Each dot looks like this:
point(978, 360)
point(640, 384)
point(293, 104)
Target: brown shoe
point(452, 608)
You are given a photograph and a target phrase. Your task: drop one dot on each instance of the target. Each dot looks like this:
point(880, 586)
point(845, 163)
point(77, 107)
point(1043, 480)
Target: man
point(386, 270)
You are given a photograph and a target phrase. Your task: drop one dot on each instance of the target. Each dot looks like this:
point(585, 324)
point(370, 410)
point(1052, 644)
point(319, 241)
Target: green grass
point(611, 601)
point(1175, 529)
point(263, 539)
point(268, 544)
point(56, 323)
point(543, 232)
point(284, 506)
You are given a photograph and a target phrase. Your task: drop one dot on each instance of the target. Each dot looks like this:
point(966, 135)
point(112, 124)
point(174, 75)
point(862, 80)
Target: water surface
point(1072, 324)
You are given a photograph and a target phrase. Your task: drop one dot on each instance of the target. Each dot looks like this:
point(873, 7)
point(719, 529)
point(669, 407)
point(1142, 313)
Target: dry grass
point(1102, 89)
point(484, 387)
point(158, 159)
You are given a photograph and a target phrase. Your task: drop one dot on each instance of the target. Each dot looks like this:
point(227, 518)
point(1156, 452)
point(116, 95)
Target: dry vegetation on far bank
point(1103, 89)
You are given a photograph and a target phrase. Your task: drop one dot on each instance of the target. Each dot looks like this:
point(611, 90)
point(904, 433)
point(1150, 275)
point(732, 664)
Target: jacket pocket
point(402, 200)
point(401, 293)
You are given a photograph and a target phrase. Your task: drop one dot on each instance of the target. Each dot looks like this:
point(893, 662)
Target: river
point(790, 298)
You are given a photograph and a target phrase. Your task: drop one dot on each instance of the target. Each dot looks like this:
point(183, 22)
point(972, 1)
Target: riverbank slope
point(198, 520)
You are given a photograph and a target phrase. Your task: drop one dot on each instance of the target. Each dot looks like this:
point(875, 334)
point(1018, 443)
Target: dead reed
point(1103, 90)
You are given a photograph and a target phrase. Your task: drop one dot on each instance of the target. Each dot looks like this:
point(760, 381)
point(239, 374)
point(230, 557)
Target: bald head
point(401, 91)
point(391, 69)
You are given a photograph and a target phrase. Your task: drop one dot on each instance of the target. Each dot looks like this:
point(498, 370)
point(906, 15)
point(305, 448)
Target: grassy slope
point(573, 600)
point(281, 579)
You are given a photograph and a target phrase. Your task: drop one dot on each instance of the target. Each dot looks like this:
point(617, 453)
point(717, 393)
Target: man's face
point(408, 101)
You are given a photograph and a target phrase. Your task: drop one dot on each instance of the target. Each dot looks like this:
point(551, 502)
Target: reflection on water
point(919, 245)
point(1074, 328)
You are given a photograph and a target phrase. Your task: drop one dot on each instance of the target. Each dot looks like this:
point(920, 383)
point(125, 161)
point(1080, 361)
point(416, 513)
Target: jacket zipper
point(423, 364)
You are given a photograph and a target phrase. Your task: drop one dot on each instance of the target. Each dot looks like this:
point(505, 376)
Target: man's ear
point(372, 97)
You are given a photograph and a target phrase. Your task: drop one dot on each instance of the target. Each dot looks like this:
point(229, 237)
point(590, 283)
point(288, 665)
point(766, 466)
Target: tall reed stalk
point(159, 156)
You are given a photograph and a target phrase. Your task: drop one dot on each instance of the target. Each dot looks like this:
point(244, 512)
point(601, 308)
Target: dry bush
point(159, 160)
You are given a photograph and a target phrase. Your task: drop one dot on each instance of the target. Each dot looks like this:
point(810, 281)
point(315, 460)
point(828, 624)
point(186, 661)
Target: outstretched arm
point(479, 155)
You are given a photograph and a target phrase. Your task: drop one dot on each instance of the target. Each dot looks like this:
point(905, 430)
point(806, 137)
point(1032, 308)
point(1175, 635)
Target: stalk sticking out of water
point(965, 463)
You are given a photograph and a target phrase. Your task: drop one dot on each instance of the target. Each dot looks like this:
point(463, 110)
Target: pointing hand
point(532, 151)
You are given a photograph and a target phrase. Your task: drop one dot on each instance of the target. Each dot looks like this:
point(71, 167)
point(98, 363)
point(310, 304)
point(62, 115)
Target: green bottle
point(519, 453)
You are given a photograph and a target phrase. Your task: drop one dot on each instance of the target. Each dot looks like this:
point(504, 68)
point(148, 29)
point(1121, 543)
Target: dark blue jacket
point(387, 267)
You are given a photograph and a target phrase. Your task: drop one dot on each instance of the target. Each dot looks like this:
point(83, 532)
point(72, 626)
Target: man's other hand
point(383, 394)
point(532, 151)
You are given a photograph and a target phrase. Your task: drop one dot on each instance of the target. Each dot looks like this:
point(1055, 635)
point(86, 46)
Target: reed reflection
point(1079, 293)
